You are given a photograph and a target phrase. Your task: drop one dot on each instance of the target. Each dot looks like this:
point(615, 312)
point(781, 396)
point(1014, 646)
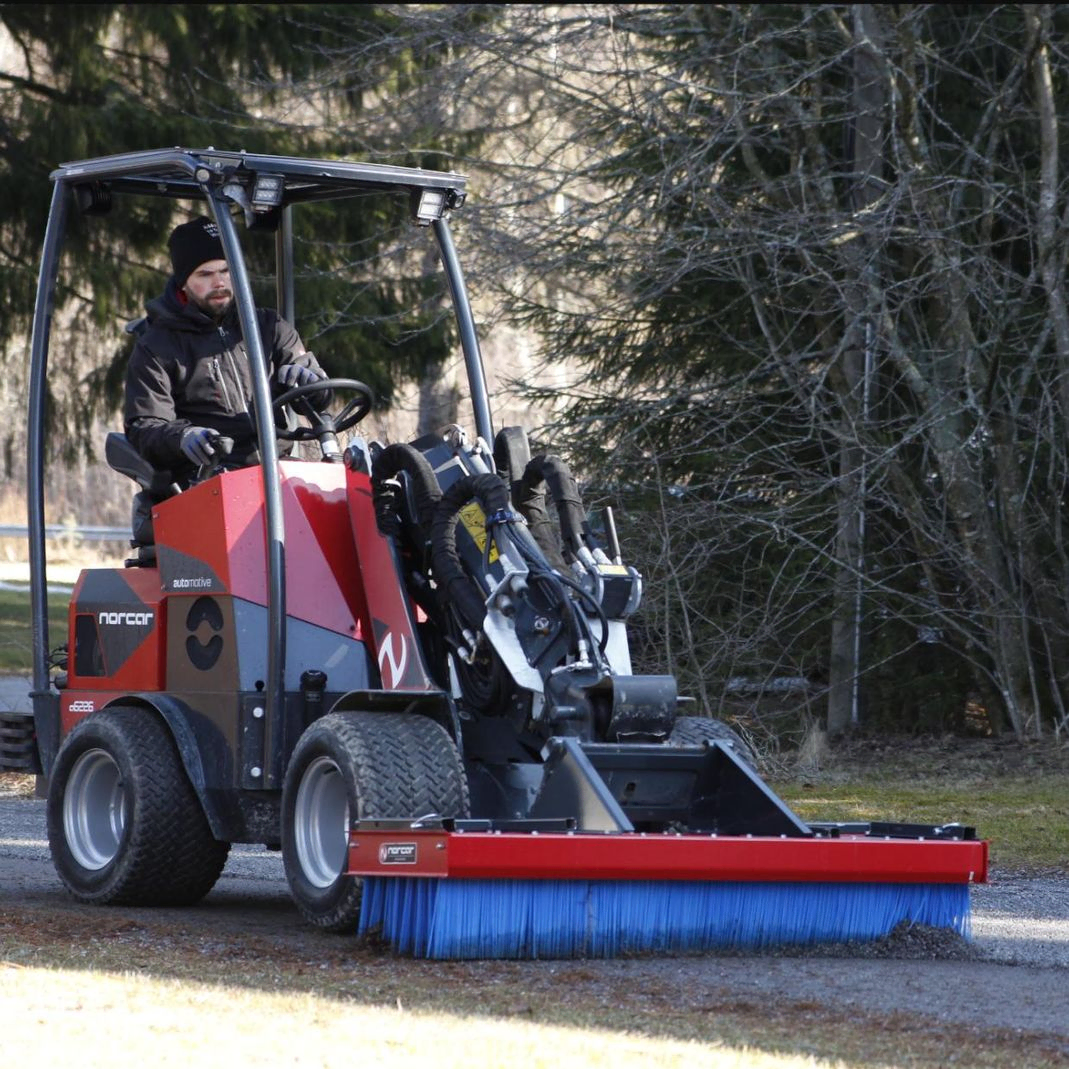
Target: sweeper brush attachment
point(500, 894)
point(542, 889)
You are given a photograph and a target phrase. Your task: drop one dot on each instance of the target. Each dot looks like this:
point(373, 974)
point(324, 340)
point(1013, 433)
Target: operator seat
point(156, 486)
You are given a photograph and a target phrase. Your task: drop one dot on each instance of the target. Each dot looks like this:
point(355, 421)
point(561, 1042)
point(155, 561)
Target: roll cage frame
point(266, 188)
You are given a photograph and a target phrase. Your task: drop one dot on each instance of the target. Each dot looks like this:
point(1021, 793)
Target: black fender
point(435, 704)
point(180, 719)
point(46, 727)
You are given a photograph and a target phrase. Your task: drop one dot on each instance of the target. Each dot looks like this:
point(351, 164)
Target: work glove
point(290, 376)
point(199, 444)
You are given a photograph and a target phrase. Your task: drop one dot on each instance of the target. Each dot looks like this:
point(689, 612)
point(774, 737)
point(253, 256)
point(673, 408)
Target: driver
point(188, 382)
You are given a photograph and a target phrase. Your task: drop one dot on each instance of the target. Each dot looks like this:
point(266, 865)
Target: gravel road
point(1017, 920)
point(1014, 975)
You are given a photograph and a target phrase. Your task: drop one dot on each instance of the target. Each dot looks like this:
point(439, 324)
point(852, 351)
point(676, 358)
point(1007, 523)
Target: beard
point(213, 306)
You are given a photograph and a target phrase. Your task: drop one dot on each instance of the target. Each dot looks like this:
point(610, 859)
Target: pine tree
point(290, 79)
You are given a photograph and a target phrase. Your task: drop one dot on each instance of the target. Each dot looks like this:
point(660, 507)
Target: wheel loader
point(395, 663)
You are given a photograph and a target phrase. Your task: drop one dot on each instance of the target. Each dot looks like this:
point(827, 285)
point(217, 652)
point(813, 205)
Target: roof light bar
point(267, 192)
point(430, 206)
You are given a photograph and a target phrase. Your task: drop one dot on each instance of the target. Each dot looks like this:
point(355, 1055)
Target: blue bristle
point(454, 918)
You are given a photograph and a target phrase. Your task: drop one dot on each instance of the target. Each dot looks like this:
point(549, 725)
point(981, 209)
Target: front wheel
point(359, 766)
point(696, 730)
point(124, 823)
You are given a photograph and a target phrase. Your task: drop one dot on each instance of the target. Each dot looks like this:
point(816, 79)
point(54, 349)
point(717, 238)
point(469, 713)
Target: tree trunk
point(844, 663)
point(1037, 18)
point(439, 400)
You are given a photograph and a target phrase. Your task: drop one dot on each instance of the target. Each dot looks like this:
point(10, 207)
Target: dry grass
point(65, 1017)
point(17, 785)
point(16, 648)
point(1027, 823)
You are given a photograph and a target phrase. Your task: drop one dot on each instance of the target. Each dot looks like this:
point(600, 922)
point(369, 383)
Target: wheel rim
point(321, 822)
point(94, 809)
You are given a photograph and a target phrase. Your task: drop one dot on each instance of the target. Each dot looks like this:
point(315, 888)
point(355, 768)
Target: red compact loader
point(406, 666)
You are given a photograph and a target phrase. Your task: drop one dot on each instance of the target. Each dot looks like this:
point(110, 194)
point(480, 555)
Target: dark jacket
point(186, 370)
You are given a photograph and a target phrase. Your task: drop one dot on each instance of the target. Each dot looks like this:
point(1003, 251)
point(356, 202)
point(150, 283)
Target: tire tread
point(401, 766)
point(169, 856)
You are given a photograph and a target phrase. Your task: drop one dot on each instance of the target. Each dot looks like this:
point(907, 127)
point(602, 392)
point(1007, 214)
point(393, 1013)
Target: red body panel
point(392, 634)
point(120, 611)
point(220, 523)
point(76, 705)
point(210, 541)
point(503, 855)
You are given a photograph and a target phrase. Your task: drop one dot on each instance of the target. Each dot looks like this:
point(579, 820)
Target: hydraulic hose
point(550, 471)
point(530, 495)
point(392, 461)
point(594, 605)
point(454, 583)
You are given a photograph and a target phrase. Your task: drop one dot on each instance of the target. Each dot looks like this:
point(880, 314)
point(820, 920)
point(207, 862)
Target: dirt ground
point(933, 756)
point(920, 998)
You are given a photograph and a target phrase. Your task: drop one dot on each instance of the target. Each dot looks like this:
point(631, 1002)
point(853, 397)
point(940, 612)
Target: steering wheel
point(323, 423)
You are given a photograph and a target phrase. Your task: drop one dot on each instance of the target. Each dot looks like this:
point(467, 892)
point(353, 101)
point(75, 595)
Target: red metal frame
point(220, 522)
point(392, 632)
point(526, 856)
point(343, 566)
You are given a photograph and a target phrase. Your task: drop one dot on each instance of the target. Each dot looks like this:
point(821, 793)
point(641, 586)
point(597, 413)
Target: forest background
point(785, 285)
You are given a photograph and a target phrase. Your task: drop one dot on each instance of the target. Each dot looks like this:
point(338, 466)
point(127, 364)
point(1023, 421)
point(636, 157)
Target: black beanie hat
point(193, 244)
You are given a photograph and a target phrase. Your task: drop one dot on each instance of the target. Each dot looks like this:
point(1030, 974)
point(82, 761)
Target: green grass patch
point(1025, 818)
point(16, 644)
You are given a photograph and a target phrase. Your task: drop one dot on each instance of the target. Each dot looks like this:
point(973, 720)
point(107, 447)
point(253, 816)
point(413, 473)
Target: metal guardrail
point(59, 530)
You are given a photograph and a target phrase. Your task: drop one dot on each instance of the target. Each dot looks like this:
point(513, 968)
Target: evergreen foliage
point(289, 79)
point(811, 259)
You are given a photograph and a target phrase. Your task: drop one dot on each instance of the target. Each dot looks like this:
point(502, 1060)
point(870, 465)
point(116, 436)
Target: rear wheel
point(695, 730)
point(359, 766)
point(124, 823)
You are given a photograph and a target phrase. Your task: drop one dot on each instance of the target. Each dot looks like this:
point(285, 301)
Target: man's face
point(208, 287)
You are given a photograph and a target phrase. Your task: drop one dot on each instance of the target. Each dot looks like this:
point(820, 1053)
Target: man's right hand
point(292, 375)
point(199, 444)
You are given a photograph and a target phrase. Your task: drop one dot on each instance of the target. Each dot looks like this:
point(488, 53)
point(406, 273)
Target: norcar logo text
point(126, 619)
point(397, 854)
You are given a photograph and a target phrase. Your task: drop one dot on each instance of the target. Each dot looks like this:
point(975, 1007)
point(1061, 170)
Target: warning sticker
point(474, 520)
